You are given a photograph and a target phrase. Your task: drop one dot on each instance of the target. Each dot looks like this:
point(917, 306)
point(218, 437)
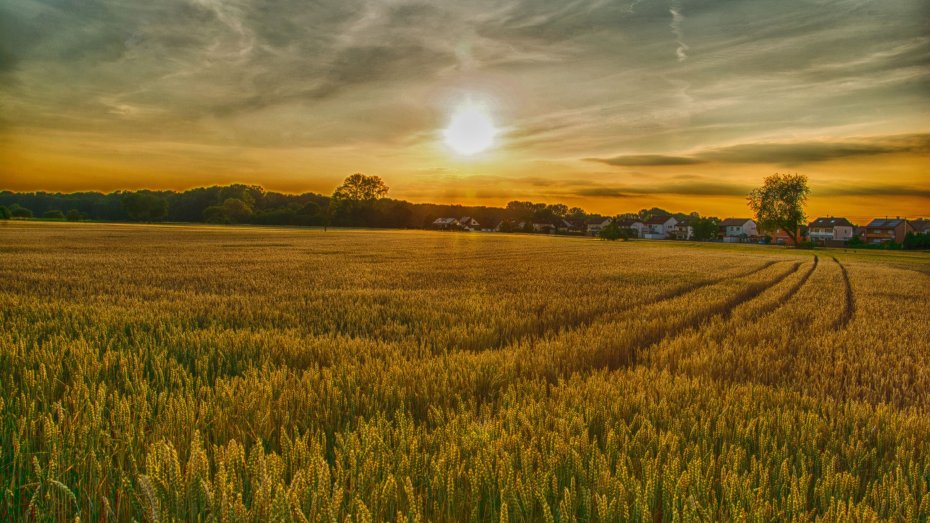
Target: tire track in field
point(492, 373)
point(775, 305)
point(564, 328)
point(724, 309)
point(850, 309)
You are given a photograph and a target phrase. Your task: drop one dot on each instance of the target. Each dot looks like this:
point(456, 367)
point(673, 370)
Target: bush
point(54, 214)
point(5, 213)
point(612, 232)
point(18, 211)
point(917, 241)
point(75, 215)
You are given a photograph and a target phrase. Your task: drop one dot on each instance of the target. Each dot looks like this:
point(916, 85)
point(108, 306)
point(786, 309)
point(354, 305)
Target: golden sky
point(611, 106)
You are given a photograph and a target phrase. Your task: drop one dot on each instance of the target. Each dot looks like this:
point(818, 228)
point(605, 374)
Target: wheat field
point(170, 373)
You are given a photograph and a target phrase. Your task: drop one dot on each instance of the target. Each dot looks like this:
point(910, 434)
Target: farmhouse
point(830, 231)
point(883, 230)
point(658, 227)
point(738, 229)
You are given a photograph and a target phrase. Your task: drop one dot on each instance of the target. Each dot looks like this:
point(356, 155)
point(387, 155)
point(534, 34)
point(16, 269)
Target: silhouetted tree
point(577, 213)
point(361, 188)
point(558, 209)
point(779, 203)
point(352, 202)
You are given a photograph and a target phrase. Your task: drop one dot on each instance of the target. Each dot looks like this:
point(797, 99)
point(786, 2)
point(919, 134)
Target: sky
point(611, 106)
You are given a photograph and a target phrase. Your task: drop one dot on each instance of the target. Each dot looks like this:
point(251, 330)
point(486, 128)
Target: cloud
point(811, 152)
point(352, 81)
point(632, 160)
point(677, 19)
point(886, 190)
point(603, 192)
point(784, 153)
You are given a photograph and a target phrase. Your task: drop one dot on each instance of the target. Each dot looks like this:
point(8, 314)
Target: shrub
point(18, 211)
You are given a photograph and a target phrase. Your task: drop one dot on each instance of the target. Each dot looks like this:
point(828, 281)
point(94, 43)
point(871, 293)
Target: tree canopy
point(145, 206)
point(779, 203)
point(361, 188)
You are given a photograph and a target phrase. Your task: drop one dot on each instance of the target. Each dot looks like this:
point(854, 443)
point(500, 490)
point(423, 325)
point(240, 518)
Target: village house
point(545, 227)
point(658, 227)
point(635, 226)
point(574, 226)
point(780, 236)
point(883, 230)
point(921, 226)
point(682, 230)
point(469, 224)
point(446, 223)
point(738, 229)
point(830, 231)
point(594, 228)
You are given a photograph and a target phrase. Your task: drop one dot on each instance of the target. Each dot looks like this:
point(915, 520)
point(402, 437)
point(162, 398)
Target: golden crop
point(222, 374)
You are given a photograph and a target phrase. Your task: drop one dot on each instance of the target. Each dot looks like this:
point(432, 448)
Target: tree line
point(360, 201)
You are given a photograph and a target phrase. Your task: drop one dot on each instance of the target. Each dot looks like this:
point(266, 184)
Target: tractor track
point(850, 309)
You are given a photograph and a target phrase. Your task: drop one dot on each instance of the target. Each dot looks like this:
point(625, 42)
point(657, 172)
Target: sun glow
point(470, 131)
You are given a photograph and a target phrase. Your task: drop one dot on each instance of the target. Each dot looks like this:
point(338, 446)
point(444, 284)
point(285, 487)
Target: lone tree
point(361, 188)
point(779, 203)
point(353, 200)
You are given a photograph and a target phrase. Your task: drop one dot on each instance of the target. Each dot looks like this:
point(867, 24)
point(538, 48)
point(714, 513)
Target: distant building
point(738, 229)
point(883, 230)
point(545, 227)
point(469, 224)
point(446, 223)
point(574, 226)
point(658, 227)
point(637, 227)
point(595, 227)
point(683, 230)
point(780, 236)
point(830, 230)
point(921, 226)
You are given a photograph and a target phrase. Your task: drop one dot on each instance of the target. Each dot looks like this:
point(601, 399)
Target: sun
point(470, 131)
